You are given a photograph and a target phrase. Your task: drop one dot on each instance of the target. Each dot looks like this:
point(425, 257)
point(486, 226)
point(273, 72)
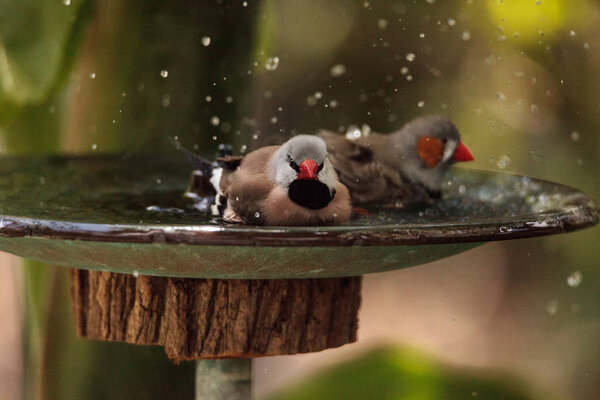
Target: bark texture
point(216, 318)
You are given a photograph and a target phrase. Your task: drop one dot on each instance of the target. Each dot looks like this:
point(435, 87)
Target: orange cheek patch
point(430, 150)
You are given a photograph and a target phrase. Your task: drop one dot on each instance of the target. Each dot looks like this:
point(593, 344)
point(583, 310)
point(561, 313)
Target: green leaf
point(404, 374)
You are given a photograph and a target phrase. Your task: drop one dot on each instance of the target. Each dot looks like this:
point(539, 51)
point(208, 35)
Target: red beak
point(462, 153)
point(308, 170)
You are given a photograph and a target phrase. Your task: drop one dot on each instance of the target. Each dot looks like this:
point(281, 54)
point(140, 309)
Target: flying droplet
point(575, 136)
point(245, 4)
point(272, 63)
point(257, 215)
point(353, 132)
point(94, 146)
point(410, 57)
point(208, 98)
point(575, 279)
point(382, 23)
point(206, 41)
point(572, 33)
point(215, 121)
point(318, 95)
point(337, 70)
point(166, 101)
point(451, 22)
point(136, 274)
point(466, 36)
point(504, 161)
point(93, 75)
point(67, 2)
point(421, 104)
point(552, 307)
point(164, 73)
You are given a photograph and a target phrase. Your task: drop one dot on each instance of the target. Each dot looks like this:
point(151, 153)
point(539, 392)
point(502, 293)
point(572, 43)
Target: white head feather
point(298, 149)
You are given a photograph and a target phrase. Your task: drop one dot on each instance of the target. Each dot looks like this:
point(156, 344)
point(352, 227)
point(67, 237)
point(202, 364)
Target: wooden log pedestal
point(216, 318)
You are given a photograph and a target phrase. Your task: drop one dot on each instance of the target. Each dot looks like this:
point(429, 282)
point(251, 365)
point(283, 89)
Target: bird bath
point(123, 219)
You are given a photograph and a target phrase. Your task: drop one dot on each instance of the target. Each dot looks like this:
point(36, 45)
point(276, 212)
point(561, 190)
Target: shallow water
point(149, 190)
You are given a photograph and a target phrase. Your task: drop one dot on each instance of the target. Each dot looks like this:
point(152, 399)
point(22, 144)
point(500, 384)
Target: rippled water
point(149, 190)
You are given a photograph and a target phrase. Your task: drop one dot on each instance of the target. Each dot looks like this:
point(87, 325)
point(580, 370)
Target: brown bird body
point(253, 197)
point(407, 165)
point(260, 187)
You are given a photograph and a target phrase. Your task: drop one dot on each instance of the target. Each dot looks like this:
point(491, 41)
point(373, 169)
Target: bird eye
point(320, 167)
point(294, 166)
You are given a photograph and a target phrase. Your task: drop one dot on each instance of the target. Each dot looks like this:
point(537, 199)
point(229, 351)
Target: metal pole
point(227, 379)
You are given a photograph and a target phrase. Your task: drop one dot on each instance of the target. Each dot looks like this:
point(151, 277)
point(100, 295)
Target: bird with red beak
point(291, 184)
point(406, 166)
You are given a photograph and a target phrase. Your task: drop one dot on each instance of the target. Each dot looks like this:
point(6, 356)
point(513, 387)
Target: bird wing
point(356, 163)
point(247, 186)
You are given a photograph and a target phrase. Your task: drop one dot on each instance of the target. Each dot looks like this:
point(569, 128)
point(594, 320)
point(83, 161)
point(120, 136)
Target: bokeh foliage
point(518, 77)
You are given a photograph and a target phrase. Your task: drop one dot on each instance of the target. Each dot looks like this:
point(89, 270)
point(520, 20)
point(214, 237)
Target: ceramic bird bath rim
point(126, 213)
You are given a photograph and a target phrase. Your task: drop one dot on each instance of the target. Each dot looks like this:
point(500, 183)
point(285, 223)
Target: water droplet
point(575, 136)
point(245, 4)
point(552, 307)
point(421, 35)
point(410, 57)
point(466, 36)
point(382, 23)
point(504, 161)
point(166, 101)
point(273, 120)
point(255, 136)
point(337, 70)
point(215, 121)
point(575, 279)
point(451, 22)
point(272, 63)
point(572, 33)
point(94, 146)
point(353, 132)
point(136, 274)
point(462, 189)
point(208, 99)
point(93, 75)
point(501, 96)
point(243, 148)
point(257, 215)
point(67, 2)
point(206, 41)
point(333, 103)
point(228, 99)
point(404, 70)
point(409, 78)
point(318, 95)
point(164, 73)
point(533, 108)
point(421, 104)
point(158, 181)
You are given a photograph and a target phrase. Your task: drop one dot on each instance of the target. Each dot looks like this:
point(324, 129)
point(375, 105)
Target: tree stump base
point(216, 318)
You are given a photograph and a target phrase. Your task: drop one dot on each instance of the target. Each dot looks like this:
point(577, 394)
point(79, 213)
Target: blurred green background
point(519, 78)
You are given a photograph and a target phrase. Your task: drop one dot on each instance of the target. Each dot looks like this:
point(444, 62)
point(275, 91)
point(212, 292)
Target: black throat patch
point(309, 193)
